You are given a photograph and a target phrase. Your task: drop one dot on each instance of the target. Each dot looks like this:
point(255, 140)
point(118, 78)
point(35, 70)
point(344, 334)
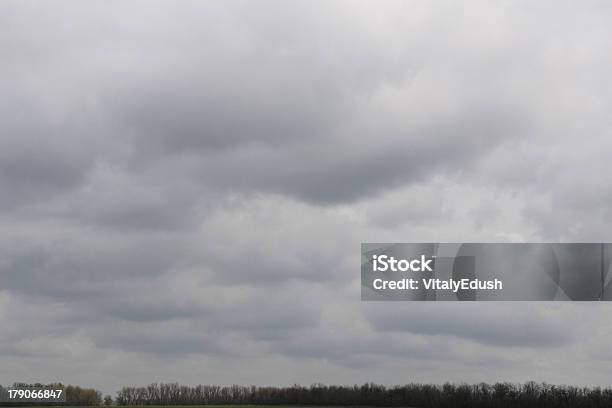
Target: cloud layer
point(185, 186)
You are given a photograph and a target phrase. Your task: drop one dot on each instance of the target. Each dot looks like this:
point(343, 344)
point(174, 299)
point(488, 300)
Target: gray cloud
point(185, 186)
point(493, 325)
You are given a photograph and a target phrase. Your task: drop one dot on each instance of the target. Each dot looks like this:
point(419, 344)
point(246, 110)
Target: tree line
point(499, 395)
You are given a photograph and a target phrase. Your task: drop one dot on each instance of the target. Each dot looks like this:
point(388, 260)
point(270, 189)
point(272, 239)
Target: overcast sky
point(184, 186)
